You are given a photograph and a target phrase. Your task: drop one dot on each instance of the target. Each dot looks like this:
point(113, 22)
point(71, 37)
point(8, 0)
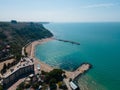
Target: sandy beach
point(31, 49)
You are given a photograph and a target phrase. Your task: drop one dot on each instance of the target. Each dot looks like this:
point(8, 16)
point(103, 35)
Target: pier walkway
point(75, 74)
point(81, 70)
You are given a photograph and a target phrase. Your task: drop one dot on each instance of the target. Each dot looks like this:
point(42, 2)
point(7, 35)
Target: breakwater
point(84, 67)
point(73, 76)
point(68, 41)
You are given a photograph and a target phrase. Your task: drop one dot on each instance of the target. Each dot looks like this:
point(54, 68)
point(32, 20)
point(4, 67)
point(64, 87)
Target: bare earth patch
point(7, 61)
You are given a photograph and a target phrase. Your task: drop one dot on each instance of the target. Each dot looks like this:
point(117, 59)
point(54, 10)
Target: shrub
point(54, 74)
point(1, 87)
point(35, 85)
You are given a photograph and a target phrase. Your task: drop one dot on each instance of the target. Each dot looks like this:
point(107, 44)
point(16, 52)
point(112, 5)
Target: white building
point(24, 68)
point(73, 86)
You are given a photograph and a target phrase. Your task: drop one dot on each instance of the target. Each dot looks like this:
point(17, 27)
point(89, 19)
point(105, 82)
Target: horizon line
point(61, 21)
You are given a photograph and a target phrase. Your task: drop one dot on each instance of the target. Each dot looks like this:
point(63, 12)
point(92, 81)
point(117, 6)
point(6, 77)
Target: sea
point(99, 46)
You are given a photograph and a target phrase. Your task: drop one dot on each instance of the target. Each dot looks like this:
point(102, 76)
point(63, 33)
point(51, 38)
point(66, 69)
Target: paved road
point(14, 86)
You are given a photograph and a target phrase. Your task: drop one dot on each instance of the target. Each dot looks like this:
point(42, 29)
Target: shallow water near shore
point(100, 46)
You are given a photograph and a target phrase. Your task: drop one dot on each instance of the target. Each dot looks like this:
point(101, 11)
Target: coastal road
point(14, 86)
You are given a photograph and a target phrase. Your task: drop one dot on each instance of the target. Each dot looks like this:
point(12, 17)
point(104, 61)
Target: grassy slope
point(17, 35)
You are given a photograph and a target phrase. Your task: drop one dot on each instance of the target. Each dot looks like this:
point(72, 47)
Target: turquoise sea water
point(100, 46)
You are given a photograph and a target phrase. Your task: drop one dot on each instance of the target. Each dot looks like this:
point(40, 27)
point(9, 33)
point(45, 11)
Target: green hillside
point(14, 35)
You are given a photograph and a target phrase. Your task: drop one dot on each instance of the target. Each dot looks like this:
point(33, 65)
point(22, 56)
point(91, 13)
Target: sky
point(60, 10)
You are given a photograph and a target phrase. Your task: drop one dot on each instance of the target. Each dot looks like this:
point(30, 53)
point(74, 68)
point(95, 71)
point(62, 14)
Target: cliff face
point(13, 36)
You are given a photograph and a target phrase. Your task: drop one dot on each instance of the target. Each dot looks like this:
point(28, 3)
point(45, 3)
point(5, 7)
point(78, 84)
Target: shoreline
point(31, 48)
point(45, 67)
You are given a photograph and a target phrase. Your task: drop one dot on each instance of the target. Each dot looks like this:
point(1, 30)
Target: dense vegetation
point(1, 87)
point(17, 34)
point(54, 76)
point(46, 80)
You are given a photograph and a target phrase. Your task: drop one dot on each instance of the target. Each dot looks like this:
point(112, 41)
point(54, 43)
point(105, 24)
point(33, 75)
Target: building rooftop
point(73, 85)
point(23, 63)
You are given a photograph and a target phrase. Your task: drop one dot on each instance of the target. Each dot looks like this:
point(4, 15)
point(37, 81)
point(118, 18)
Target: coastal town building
point(74, 86)
point(24, 68)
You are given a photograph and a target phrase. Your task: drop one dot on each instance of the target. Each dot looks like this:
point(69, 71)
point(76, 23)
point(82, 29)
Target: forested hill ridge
point(14, 35)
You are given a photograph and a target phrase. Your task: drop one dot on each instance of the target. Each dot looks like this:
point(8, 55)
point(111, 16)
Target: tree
point(4, 66)
point(1, 87)
point(8, 65)
point(18, 57)
point(52, 81)
point(14, 21)
point(53, 86)
point(54, 74)
point(70, 79)
point(27, 85)
point(4, 69)
point(26, 54)
point(21, 86)
point(59, 84)
point(2, 36)
point(35, 86)
point(43, 72)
